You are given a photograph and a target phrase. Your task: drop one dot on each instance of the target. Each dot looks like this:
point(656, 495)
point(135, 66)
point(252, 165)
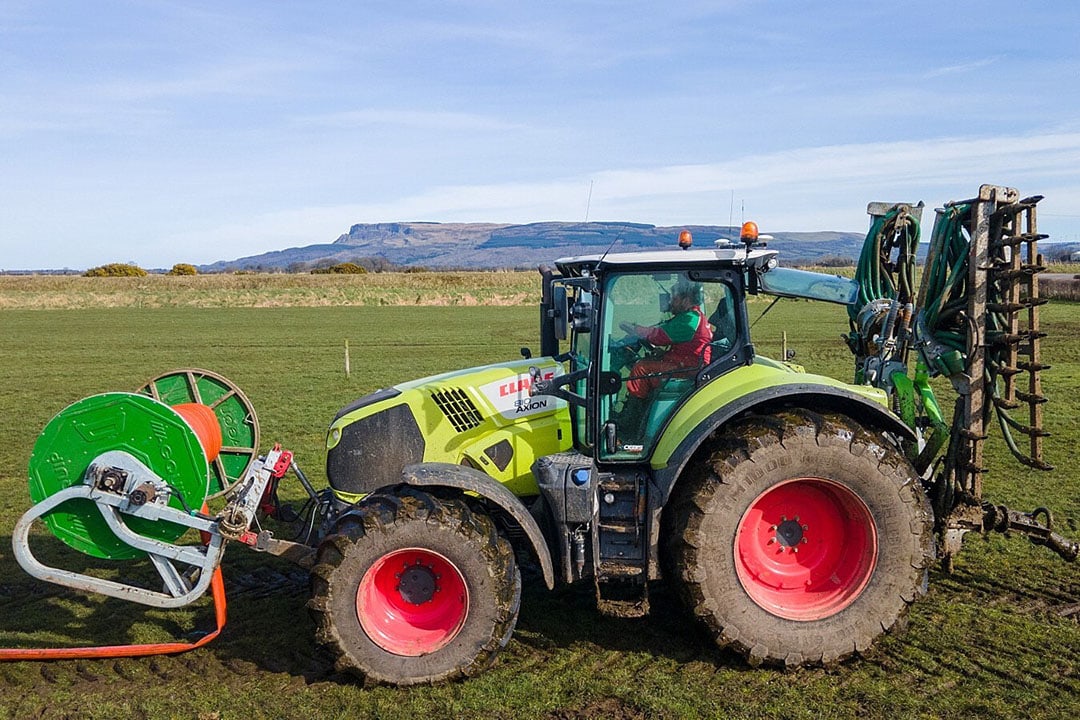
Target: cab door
point(644, 382)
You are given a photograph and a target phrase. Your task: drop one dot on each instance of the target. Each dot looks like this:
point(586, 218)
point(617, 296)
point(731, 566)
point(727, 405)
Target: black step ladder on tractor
point(620, 542)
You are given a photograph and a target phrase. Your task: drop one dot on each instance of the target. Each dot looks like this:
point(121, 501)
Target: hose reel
point(121, 476)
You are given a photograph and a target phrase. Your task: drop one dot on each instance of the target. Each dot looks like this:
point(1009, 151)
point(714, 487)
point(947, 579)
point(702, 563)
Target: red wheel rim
point(805, 548)
point(412, 602)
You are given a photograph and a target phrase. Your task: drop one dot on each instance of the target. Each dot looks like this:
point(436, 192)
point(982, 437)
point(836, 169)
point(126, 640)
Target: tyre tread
point(377, 514)
point(707, 485)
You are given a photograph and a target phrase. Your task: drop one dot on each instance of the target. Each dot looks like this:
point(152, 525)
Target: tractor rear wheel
point(799, 538)
point(415, 589)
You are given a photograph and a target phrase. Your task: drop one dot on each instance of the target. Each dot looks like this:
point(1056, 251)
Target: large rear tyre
point(415, 589)
point(799, 538)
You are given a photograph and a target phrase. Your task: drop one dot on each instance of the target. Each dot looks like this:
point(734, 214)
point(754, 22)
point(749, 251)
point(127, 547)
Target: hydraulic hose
point(882, 313)
point(944, 282)
point(943, 319)
point(879, 274)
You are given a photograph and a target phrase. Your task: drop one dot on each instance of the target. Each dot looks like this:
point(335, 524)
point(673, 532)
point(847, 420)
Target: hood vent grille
point(458, 408)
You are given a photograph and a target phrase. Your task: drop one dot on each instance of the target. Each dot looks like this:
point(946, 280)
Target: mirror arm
point(553, 387)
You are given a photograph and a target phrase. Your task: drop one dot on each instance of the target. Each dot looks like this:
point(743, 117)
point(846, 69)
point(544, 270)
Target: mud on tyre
point(415, 589)
point(799, 538)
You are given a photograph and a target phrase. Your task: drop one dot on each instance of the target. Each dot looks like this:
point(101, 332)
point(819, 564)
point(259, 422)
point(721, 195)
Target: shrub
point(375, 263)
point(345, 268)
point(115, 270)
point(831, 261)
point(183, 269)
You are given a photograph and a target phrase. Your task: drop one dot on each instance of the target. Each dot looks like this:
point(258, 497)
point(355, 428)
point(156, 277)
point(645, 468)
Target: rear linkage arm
point(1001, 519)
point(970, 514)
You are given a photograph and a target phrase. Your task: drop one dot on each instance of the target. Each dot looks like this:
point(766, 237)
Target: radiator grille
point(458, 408)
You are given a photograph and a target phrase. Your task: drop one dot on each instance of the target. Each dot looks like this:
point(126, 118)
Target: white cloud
point(817, 188)
point(240, 78)
point(414, 119)
point(961, 68)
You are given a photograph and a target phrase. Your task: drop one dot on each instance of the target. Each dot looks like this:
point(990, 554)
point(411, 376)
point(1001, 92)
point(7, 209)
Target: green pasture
point(70, 292)
point(999, 638)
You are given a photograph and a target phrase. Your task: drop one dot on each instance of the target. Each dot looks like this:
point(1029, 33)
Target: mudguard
point(810, 395)
point(460, 477)
point(685, 437)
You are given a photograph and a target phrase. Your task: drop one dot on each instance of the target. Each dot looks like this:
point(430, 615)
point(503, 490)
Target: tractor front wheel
point(799, 538)
point(415, 589)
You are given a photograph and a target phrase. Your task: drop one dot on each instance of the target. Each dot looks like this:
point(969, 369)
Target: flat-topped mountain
point(492, 245)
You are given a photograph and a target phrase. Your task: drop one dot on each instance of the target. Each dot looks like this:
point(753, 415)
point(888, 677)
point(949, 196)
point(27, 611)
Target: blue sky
point(164, 132)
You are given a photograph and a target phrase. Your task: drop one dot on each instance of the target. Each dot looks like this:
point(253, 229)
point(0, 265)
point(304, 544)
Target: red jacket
point(692, 352)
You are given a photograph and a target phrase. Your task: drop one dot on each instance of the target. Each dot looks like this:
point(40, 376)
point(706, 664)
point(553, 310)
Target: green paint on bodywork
point(905, 394)
point(494, 425)
point(763, 374)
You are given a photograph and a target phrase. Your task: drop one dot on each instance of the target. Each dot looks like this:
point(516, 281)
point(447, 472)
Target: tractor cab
point(645, 331)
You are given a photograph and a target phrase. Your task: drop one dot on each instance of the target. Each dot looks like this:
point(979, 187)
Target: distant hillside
point(488, 245)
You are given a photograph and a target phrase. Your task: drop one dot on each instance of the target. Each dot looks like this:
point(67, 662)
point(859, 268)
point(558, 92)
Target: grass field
point(998, 638)
point(267, 290)
point(72, 292)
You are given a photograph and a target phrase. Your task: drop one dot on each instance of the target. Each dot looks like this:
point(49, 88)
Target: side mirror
point(558, 312)
point(581, 317)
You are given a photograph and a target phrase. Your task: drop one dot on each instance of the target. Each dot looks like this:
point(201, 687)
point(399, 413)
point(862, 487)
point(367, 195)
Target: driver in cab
point(686, 334)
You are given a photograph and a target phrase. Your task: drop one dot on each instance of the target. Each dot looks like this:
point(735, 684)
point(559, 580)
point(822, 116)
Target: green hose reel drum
point(150, 431)
point(170, 442)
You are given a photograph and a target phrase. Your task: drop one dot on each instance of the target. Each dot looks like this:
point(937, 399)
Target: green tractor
point(779, 503)
point(795, 515)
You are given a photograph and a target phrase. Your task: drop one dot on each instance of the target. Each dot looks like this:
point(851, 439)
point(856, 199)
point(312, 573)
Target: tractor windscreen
point(659, 331)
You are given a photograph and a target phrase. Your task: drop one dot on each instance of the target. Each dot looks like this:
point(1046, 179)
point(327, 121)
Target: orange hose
point(217, 594)
point(217, 588)
point(205, 424)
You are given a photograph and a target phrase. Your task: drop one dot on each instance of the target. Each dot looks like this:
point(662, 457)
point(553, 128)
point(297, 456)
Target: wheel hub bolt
point(789, 533)
point(417, 584)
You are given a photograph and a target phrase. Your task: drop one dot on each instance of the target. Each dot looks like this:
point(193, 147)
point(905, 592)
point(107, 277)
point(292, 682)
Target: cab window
point(659, 330)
